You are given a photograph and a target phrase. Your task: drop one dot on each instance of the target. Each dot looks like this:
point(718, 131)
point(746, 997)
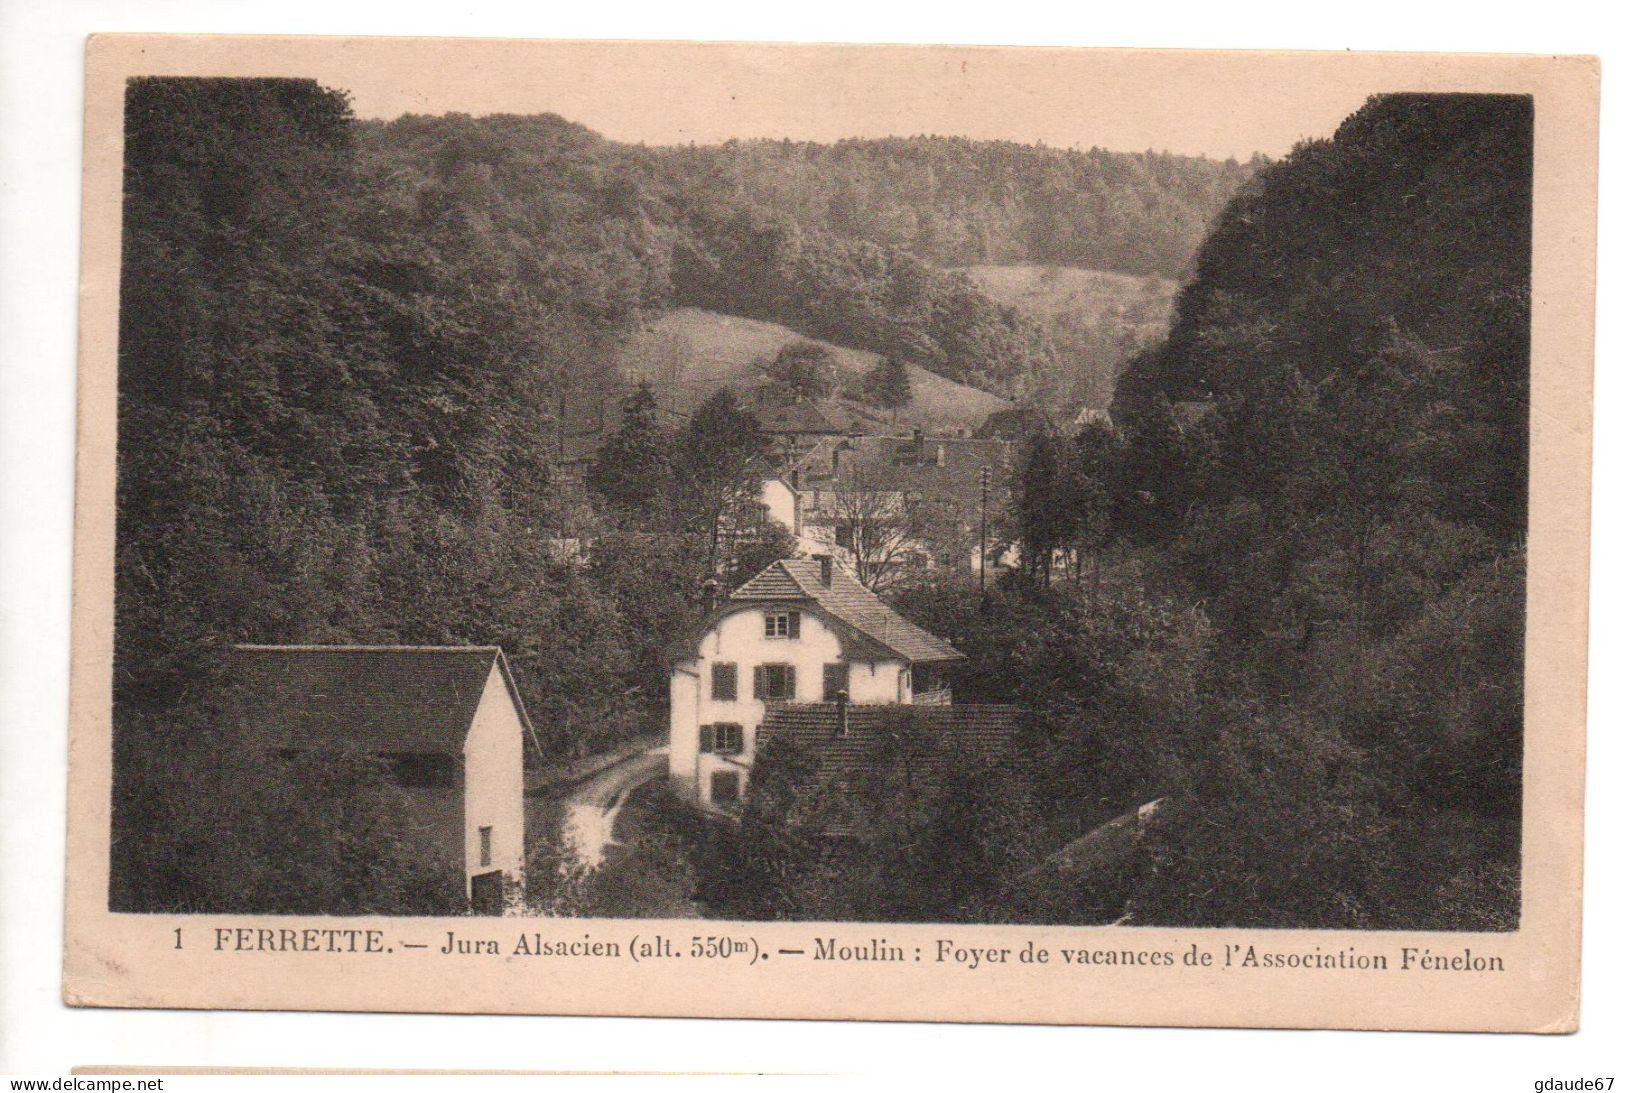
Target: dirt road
point(590, 809)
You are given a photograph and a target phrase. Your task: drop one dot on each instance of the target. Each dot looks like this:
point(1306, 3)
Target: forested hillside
point(687, 354)
point(1289, 609)
point(957, 202)
point(811, 236)
point(1382, 277)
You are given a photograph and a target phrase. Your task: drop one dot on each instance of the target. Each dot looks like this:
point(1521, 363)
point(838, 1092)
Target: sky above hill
point(1188, 102)
point(1194, 102)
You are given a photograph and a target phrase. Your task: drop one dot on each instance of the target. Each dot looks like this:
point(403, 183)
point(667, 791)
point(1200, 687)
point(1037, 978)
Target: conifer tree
point(633, 471)
point(719, 466)
point(887, 385)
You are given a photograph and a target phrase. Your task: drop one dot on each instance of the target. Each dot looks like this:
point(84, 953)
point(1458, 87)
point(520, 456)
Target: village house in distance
point(802, 634)
point(888, 505)
point(447, 718)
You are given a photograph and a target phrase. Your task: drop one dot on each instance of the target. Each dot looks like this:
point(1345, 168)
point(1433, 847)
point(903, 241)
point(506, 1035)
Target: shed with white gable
point(448, 719)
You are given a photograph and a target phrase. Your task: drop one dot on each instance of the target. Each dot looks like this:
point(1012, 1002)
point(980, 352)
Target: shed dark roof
point(849, 602)
point(365, 698)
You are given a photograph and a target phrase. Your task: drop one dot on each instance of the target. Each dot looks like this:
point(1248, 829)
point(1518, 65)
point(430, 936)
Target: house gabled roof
point(847, 601)
point(365, 698)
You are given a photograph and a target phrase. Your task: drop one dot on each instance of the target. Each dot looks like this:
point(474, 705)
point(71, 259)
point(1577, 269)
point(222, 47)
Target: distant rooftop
point(948, 467)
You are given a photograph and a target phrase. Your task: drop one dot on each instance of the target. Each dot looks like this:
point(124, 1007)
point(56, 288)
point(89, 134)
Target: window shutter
point(795, 624)
point(758, 682)
point(790, 682)
point(724, 682)
point(708, 738)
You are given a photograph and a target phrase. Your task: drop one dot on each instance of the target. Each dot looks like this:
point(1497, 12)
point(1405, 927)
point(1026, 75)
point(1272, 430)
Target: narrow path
point(590, 809)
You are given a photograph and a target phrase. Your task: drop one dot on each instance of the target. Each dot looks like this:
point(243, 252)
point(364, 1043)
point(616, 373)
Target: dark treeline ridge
point(1282, 592)
point(959, 202)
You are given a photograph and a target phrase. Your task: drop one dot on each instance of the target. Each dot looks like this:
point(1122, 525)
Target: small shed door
point(487, 893)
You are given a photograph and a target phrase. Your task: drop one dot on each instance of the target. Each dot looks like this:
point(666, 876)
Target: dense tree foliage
point(633, 472)
point(804, 369)
point(957, 202)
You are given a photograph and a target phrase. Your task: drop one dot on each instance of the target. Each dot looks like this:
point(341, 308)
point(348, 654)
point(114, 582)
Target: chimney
point(841, 700)
point(826, 569)
point(709, 594)
point(919, 444)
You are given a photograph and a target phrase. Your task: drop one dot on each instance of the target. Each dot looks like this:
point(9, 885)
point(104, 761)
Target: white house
point(447, 718)
point(886, 505)
point(782, 503)
point(801, 631)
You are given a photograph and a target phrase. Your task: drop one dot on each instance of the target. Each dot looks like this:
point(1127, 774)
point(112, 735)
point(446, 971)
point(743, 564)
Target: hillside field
point(1096, 319)
point(688, 353)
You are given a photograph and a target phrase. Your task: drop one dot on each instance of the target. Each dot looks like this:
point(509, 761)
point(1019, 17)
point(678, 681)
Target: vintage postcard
point(888, 533)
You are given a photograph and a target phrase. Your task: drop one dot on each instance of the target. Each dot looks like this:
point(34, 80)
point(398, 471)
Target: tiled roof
point(1106, 845)
point(847, 601)
point(929, 739)
point(909, 464)
point(772, 583)
point(363, 698)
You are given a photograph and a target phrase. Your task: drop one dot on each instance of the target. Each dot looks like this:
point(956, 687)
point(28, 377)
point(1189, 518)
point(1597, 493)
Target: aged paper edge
point(121, 960)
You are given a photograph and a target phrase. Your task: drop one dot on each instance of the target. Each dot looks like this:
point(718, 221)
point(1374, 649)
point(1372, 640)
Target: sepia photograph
point(759, 490)
point(920, 528)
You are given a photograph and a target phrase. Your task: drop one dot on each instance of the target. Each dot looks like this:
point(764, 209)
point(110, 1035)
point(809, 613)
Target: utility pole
point(981, 568)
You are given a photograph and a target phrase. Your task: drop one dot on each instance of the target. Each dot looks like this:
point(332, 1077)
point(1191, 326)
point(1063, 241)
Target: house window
point(723, 738)
point(775, 682)
point(782, 624)
point(485, 846)
point(843, 536)
point(724, 682)
point(724, 787)
point(836, 679)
